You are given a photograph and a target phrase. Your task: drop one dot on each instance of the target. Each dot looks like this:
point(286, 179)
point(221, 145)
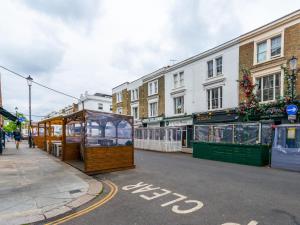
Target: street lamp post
point(293, 67)
point(16, 108)
point(29, 82)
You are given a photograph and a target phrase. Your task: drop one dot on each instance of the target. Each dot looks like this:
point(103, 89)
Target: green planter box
point(255, 155)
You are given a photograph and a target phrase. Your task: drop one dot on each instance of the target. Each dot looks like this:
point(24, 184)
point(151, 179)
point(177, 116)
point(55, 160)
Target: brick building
point(264, 51)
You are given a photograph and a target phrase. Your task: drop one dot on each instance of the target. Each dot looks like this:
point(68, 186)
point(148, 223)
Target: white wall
point(92, 104)
point(195, 75)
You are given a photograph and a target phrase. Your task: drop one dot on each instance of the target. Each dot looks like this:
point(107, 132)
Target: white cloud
point(95, 45)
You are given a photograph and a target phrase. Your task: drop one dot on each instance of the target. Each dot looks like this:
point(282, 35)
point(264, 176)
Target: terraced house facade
point(265, 52)
point(204, 89)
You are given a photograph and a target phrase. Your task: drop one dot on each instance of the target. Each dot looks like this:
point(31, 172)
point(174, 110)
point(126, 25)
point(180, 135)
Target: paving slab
point(35, 185)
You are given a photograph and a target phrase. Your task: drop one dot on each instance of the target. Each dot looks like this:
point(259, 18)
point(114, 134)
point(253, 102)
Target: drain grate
point(74, 191)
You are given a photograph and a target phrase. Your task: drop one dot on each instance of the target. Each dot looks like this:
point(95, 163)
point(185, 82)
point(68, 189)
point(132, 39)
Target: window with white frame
point(175, 79)
point(153, 88)
point(110, 108)
point(100, 106)
point(179, 105)
point(268, 87)
point(262, 51)
point(135, 112)
point(119, 110)
point(219, 62)
point(215, 98)
point(178, 79)
point(119, 97)
point(134, 94)
point(181, 78)
point(153, 109)
point(210, 68)
point(276, 46)
point(269, 49)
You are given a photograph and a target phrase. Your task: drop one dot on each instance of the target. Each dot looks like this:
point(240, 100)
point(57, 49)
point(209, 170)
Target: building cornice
point(270, 26)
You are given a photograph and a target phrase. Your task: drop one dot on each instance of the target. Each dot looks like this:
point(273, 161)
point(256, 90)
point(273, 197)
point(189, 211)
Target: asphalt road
point(207, 193)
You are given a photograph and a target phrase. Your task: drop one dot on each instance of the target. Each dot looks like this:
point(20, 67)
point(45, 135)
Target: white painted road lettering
point(181, 197)
point(253, 222)
point(129, 187)
point(145, 189)
point(198, 205)
point(156, 195)
point(142, 187)
point(183, 204)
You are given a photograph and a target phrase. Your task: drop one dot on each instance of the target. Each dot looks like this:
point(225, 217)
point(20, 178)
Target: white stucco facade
point(97, 102)
point(195, 83)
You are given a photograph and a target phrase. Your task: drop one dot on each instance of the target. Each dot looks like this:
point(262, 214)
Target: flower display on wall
point(250, 108)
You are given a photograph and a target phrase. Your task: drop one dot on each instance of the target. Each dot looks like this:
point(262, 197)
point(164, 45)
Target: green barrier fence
point(255, 155)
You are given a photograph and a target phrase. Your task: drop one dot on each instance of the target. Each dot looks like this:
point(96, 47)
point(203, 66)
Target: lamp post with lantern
point(29, 82)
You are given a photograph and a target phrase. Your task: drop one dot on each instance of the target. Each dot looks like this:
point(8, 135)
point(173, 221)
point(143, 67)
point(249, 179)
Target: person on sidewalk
point(17, 136)
point(3, 133)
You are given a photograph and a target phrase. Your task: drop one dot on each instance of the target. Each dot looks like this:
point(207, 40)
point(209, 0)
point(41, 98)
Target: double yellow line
point(109, 196)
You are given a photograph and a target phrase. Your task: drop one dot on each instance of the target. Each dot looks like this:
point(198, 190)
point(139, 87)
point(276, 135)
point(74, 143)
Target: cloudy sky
point(93, 45)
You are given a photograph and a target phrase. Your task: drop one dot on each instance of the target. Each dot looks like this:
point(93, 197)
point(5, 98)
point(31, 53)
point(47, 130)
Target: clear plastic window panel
point(41, 131)
point(108, 130)
point(157, 134)
point(162, 134)
point(283, 139)
point(246, 133)
point(202, 133)
point(223, 134)
point(56, 130)
point(266, 134)
point(74, 131)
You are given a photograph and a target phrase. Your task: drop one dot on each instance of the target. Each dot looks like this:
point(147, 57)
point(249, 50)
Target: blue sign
point(291, 110)
point(21, 120)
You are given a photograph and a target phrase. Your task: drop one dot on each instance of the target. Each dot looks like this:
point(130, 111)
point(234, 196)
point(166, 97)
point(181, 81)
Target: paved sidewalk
point(35, 186)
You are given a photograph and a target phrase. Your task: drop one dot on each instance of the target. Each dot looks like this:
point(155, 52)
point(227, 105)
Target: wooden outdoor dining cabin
point(49, 132)
point(96, 142)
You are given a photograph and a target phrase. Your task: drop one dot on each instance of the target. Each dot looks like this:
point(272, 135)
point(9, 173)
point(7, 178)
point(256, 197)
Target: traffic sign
point(21, 120)
point(291, 109)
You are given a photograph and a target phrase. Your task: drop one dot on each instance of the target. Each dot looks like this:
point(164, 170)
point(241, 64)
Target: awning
point(8, 115)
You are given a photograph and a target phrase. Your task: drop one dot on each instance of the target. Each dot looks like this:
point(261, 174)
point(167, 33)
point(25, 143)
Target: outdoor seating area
point(243, 143)
point(89, 140)
point(98, 142)
point(164, 139)
point(49, 132)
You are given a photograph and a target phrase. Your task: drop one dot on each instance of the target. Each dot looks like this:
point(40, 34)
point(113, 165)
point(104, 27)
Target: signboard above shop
point(216, 117)
point(152, 119)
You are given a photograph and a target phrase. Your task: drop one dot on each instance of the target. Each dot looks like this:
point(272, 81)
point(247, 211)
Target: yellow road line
point(109, 196)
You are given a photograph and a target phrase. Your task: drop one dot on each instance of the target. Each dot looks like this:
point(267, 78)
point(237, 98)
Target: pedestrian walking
point(3, 133)
point(17, 136)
